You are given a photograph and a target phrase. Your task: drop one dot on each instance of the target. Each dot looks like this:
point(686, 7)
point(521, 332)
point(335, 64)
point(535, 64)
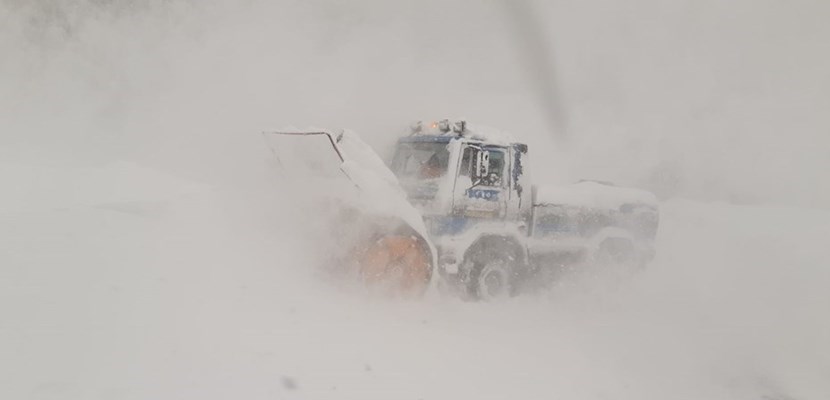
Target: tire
point(491, 277)
point(616, 252)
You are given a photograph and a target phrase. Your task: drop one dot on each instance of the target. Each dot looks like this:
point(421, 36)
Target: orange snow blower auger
point(395, 263)
point(377, 236)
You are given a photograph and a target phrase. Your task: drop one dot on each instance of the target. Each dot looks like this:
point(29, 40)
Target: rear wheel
point(616, 252)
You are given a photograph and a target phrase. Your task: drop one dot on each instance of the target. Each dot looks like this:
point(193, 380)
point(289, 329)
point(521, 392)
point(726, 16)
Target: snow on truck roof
point(593, 194)
point(446, 130)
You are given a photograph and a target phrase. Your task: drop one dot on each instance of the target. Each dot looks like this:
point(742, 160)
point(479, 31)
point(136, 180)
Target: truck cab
point(490, 227)
point(461, 176)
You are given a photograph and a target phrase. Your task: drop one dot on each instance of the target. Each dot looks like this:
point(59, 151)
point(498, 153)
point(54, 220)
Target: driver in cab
point(432, 168)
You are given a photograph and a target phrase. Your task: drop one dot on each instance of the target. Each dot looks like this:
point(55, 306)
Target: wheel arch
point(609, 233)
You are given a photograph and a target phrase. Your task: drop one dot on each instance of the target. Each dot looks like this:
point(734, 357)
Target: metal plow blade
point(306, 153)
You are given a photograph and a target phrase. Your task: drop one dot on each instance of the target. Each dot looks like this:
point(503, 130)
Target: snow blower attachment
point(377, 237)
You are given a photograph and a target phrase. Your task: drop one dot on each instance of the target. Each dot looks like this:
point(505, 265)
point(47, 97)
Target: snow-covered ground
point(149, 251)
point(181, 294)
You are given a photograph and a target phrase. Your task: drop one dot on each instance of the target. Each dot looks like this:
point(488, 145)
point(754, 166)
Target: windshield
point(420, 160)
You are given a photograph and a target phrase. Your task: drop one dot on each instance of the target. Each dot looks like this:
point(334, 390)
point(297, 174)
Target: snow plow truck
point(456, 206)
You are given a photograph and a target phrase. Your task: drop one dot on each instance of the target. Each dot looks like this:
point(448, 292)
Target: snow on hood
point(592, 194)
point(368, 184)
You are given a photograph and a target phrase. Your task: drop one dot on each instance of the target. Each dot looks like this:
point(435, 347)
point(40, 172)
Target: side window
point(496, 176)
point(466, 162)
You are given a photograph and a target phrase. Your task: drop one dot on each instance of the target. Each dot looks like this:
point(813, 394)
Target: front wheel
point(490, 280)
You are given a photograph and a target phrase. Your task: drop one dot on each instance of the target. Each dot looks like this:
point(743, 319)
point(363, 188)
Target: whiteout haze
point(149, 248)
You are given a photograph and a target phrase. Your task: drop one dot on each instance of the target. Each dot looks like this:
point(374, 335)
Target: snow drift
point(148, 250)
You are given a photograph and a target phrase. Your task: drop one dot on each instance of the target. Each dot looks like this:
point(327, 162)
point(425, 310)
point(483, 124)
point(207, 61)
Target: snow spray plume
point(532, 45)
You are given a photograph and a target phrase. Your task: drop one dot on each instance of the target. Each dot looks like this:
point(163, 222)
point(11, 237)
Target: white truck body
point(474, 193)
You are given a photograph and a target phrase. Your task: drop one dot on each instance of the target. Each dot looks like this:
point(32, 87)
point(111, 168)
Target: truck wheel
point(490, 279)
point(616, 252)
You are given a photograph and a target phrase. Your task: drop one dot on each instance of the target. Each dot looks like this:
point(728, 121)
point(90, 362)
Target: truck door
point(481, 186)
